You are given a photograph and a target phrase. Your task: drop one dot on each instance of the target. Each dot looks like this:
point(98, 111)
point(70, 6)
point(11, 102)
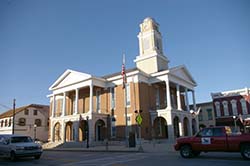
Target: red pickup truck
point(214, 139)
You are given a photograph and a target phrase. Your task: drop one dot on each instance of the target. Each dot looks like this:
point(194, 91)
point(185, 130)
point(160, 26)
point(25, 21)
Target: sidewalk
point(147, 147)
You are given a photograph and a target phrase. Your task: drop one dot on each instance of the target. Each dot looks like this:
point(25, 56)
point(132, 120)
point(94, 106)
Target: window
point(234, 107)
point(98, 101)
point(225, 108)
point(243, 106)
point(6, 123)
point(218, 132)
point(38, 122)
point(200, 116)
point(217, 106)
point(2, 122)
point(208, 132)
point(157, 98)
point(34, 112)
point(22, 122)
point(112, 97)
point(128, 95)
point(209, 114)
point(26, 112)
point(9, 122)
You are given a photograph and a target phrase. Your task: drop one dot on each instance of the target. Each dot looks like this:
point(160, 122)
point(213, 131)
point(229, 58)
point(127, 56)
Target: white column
point(194, 103)
point(180, 128)
point(63, 136)
point(64, 104)
point(91, 97)
point(76, 102)
point(178, 97)
point(52, 132)
point(168, 95)
point(53, 106)
point(186, 98)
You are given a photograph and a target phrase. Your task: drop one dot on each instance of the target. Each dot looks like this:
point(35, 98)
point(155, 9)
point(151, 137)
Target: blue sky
point(40, 39)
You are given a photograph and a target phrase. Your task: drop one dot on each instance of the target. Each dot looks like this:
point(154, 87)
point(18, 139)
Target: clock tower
point(151, 58)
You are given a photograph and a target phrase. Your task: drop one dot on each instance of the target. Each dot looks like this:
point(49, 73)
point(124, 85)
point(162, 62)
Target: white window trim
point(244, 106)
point(225, 108)
point(234, 107)
point(111, 99)
point(98, 101)
point(128, 95)
point(217, 107)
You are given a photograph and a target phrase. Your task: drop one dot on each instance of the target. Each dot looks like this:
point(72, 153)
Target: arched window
point(2, 123)
point(22, 122)
point(217, 106)
point(6, 123)
point(38, 122)
point(225, 108)
point(234, 107)
point(9, 122)
point(243, 106)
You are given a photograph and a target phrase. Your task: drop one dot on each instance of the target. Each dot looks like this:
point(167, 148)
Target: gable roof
point(182, 73)
point(69, 77)
point(119, 73)
point(9, 113)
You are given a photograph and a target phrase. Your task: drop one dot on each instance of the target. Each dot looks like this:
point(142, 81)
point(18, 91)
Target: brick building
point(232, 108)
point(161, 93)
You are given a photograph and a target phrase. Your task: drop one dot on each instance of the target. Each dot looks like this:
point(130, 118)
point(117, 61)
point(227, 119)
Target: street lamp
point(87, 131)
point(234, 117)
point(13, 119)
point(35, 132)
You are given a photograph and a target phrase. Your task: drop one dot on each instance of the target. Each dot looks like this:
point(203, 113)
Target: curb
point(94, 150)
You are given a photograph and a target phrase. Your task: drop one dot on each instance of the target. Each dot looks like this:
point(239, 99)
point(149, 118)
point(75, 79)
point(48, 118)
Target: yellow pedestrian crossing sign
point(138, 119)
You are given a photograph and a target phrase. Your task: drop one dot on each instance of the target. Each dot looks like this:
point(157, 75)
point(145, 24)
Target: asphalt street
point(63, 158)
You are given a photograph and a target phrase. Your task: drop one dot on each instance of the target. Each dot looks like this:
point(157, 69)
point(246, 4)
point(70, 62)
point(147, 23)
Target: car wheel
point(37, 157)
point(245, 152)
point(12, 156)
point(186, 151)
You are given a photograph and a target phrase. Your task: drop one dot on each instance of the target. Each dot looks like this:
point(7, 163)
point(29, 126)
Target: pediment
point(69, 77)
point(182, 73)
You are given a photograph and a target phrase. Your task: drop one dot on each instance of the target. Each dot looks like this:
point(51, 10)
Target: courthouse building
point(162, 95)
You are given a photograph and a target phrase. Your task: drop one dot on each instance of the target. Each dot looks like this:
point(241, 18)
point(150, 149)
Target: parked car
point(14, 146)
point(219, 139)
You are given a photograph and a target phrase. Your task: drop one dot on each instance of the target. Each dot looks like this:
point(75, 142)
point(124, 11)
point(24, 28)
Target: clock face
point(145, 27)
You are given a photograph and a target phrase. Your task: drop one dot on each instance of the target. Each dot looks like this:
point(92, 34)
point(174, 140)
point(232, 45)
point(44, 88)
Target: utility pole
point(13, 119)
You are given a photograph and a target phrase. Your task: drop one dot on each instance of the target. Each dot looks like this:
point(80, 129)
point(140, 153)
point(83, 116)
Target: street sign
point(139, 119)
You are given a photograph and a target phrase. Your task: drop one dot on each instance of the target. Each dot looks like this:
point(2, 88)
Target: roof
point(119, 73)
point(9, 113)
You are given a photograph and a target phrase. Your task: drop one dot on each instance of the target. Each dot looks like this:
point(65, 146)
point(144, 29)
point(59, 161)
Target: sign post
point(138, 119)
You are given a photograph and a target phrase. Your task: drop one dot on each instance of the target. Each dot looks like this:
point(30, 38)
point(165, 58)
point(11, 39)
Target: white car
point(14, 146)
